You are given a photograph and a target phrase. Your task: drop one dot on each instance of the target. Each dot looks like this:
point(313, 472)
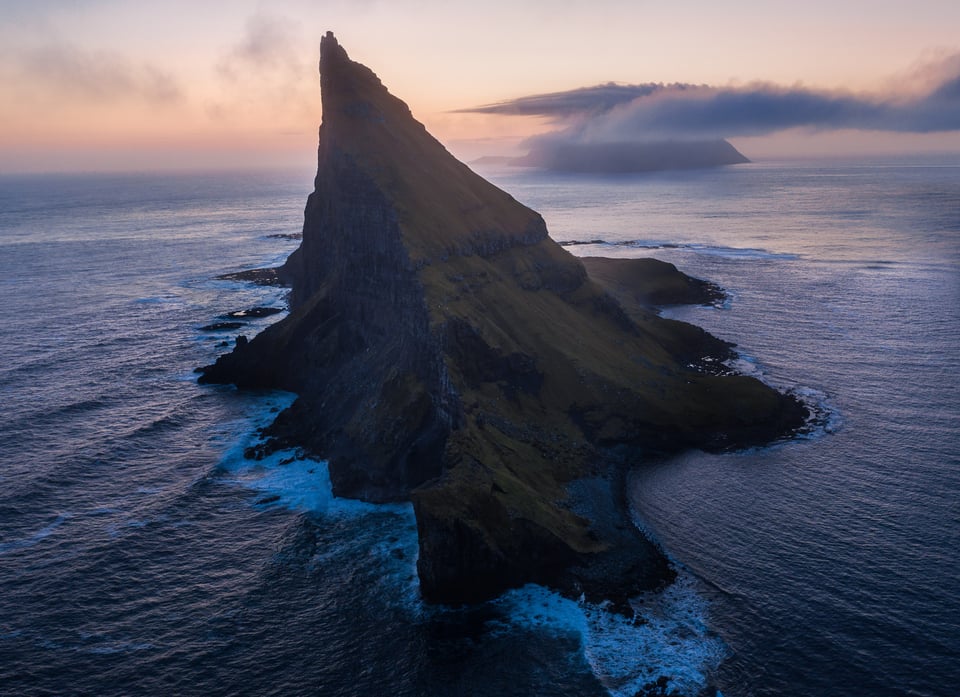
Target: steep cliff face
point(446, 351)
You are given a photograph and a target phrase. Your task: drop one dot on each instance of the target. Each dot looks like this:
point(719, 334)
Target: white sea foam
point(287, 477)
point(825, 417)
point(298, 484)
point(668, 637)
point(745, 364)
point(304, 485)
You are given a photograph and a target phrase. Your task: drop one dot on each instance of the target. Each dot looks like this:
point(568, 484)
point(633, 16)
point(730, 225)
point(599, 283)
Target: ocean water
point(140, 553)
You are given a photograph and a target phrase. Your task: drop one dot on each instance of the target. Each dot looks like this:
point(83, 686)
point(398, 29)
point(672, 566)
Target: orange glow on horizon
point(80, 83)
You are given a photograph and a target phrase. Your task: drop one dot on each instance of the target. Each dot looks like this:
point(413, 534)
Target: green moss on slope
point(445, 350)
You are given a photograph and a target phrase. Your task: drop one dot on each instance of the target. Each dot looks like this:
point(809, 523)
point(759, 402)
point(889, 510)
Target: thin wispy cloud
point(82, 75)
point(18, 12)
point(585, 100)
point(264, 71)
point(268, 45)
point(928, 76)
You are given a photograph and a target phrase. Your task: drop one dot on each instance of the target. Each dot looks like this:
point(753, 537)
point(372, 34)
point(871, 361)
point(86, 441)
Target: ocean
point(140, 553)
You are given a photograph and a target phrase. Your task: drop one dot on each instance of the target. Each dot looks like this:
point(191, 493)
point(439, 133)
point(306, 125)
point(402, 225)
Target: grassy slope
point(555, 368)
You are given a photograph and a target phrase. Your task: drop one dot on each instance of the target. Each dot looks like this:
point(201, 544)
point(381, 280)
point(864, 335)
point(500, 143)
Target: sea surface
point(140, 553)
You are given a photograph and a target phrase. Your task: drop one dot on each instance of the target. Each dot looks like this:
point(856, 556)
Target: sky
point(89, 85)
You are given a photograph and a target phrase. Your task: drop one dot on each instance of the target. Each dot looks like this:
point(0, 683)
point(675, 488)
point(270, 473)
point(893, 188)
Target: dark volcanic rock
point(253, 312)
point(446, 351)
point(286, 236)
point(651, 282)
point(643, 285)
point(221, 326)
point(261, 277)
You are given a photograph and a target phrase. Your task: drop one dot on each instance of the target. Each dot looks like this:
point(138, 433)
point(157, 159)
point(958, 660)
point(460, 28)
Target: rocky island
point(560, 155)
point(446, 351)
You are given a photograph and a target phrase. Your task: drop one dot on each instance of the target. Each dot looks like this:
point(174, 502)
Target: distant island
point(622, 158)
point(446, 351)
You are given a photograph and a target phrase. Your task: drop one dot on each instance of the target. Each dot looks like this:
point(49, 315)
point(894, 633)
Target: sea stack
point(445, 350)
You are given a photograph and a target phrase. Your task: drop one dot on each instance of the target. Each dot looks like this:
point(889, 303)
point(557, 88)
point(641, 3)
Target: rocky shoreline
point(446, 351)
point(632, 563)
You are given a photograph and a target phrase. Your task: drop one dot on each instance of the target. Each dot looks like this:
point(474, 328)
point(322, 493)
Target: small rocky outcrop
point(446, 351)
point(651, 283)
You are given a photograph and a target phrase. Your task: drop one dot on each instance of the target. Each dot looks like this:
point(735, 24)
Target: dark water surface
point(140, 553)
point(832, 564)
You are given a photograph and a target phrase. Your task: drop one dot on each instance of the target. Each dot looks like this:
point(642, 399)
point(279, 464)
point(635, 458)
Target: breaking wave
point(667, 644)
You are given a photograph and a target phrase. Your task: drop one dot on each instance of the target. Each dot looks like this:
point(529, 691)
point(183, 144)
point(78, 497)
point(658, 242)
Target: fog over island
point(619, 127)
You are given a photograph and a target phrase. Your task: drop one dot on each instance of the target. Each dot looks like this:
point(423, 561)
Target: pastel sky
point(124, 85)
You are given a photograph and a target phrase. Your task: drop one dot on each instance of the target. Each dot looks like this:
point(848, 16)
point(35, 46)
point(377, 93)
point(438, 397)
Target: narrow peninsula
point(446, 351)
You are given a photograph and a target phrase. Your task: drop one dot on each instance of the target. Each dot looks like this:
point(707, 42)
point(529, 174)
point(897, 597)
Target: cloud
point(707, 112)
point(70, 72)
point(17, 12)
point(630, 113)
point(263, 75)
point(268, 45)
point(939, 68)
point(585, 100)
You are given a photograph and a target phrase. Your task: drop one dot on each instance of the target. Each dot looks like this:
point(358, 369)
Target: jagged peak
point(444, 208)
point(331, 50)
point(341, 77)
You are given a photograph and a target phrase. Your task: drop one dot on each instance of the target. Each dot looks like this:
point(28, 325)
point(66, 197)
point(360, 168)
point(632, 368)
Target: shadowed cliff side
point(446, 350)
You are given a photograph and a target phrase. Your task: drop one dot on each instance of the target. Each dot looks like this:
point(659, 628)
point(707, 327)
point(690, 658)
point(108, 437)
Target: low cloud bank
point(85, 75)
point(630, 128)
point(613, 113)
point(559, 155)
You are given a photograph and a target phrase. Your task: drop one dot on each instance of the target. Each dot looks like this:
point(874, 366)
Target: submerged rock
point(221, 326)
point(446, 351)
point(260, 277)
point(253, 313)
